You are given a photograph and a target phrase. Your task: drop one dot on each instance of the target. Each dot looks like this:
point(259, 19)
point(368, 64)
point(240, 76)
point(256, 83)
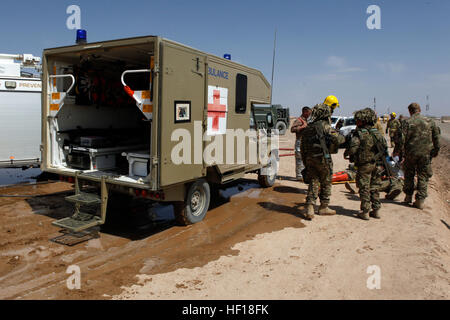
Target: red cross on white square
point(217, 109)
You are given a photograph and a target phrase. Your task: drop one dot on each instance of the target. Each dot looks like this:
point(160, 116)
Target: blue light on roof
point(81, 36)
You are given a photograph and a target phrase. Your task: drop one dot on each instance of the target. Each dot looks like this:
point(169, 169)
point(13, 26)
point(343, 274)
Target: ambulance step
point(85, 198)
point(82, 221)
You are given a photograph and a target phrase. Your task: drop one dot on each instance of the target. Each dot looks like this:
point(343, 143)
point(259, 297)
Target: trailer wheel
point(281, 127)
point(196, 204)
point(268, 180)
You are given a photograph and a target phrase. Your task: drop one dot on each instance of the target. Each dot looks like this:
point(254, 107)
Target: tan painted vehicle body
point(180, 76)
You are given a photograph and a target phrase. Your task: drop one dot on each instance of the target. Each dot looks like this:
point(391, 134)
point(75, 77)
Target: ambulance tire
point(265, 180)
point(281, 127)
point(196, 203)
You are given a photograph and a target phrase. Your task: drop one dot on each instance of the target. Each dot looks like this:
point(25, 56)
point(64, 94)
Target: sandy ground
point(254, 244)
point(328, 259)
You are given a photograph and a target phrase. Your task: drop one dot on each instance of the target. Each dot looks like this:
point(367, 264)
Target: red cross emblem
point(216, 110)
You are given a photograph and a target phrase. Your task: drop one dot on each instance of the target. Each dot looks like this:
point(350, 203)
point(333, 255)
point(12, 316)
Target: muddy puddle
point(16, 176)
point(137, 239)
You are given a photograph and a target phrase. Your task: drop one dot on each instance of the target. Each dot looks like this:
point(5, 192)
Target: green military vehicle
point(279, 113)
point(139, 116)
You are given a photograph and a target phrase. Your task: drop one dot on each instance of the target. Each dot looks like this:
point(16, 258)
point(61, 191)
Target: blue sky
point(323, 46)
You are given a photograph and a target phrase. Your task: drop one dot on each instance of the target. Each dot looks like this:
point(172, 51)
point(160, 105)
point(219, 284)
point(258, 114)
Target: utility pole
point(273, 64)
point(428, 103)
point(375, 104)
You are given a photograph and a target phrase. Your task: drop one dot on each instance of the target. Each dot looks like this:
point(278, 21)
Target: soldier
point(399, 138)
point(391, 127)
point(420, 144)
point(318, 141)
point(339, 124)
point(378, 125)
point(298, 126)
point(364, 152)
point(393, 186)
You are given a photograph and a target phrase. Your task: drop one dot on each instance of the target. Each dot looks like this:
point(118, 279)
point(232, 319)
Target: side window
point(241, 93)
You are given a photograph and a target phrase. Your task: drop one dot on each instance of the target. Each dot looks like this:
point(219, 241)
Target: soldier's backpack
point(368, 150)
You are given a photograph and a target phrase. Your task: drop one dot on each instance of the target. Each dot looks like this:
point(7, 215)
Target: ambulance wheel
point(196, 203)
point(281, 127)
point(267, 177)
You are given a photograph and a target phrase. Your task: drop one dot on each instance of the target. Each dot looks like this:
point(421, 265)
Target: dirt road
point(253, 244)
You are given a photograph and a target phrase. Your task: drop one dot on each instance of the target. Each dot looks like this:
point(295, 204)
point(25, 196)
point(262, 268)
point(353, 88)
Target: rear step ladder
point(80, 220)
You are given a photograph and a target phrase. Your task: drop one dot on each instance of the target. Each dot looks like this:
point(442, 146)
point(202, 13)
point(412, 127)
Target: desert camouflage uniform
point(362, 151)
point(387, 185)
point(297, 127)
point(392, 126)
point(319, 172)
point(399, 139)
point(378, 126)
point(419, 145)
point(390, 185)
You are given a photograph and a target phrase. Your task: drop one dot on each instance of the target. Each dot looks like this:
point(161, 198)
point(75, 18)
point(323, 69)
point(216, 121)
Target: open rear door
point(183, 106)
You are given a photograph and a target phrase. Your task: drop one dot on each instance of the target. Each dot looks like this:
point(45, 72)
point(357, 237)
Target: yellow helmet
point(394, 114)
point(332, 102)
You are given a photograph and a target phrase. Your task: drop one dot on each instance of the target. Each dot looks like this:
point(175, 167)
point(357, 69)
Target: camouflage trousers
point(299, 166)
point(368, 180)
point(420, 166)
point(390, 185)
point(392, 138)
point(319, 174)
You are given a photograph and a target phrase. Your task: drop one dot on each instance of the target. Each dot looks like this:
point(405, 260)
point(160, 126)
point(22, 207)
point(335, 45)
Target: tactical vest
point(367, 152)
point(310, 142)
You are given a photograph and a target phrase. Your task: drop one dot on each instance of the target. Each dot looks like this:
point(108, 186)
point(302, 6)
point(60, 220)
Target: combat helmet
point(320, 112)
point(366, 115)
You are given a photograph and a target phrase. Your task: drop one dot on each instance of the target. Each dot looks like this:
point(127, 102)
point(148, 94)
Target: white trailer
point(20, 111)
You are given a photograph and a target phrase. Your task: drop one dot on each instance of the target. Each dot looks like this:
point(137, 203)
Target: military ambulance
point(113, 113)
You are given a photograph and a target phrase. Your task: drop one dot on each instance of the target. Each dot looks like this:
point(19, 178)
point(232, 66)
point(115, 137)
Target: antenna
point(273, 65)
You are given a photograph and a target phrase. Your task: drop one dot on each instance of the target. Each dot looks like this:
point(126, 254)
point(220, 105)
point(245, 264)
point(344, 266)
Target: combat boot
point(325, 211)
point(375, 214)
point(419, 204)
point(350, 188)
point(408, 199)
point(309, 211)
point(363, 215)
point(393, 194)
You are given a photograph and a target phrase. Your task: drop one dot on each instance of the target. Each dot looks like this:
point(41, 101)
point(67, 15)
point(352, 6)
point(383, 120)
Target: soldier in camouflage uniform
point(364, 153)
point(297, 127)
point(318, 163)
point(420, 144)
point(399, 138)
point(392, 127)
point(393, 186)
